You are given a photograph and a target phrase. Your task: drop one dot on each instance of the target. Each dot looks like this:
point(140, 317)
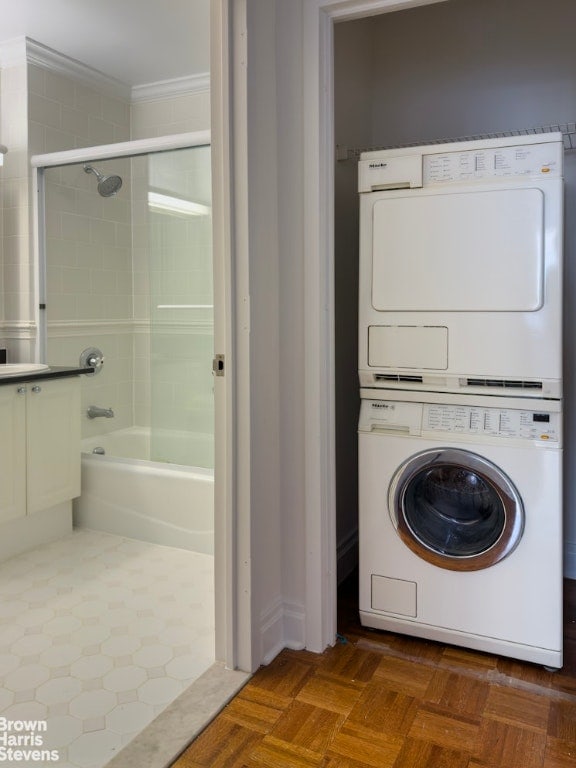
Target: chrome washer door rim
point(512, 510)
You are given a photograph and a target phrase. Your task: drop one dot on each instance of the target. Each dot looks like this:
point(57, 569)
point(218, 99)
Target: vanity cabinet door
point(53, 442)
point(12, 452)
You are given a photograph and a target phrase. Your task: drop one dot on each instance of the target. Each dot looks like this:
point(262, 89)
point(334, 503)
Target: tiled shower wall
point(95, 296)
point(181, 295)
point(17, 272)
point(89, 284)
point(173, 407)
point(89, 276)
point(177, 114)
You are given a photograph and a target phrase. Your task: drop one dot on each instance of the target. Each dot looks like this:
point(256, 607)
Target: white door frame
point(221, 239)
point(229, 112)
point(319, 153)
point(229, 127)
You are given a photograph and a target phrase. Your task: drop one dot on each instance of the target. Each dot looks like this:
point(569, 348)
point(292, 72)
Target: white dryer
point(461, 521)
point(461, 267)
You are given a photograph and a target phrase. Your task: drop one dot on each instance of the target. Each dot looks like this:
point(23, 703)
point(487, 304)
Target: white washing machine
point(461, 267)
point(461, 520)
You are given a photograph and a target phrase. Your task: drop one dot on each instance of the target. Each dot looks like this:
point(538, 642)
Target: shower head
point(107, 185)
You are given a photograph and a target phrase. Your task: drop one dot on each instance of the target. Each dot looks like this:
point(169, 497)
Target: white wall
point(265, 391)
point(291, 325)
point(459, 69)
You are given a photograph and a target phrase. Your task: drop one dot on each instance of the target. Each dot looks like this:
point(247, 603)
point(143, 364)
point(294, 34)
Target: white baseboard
point(282, 625)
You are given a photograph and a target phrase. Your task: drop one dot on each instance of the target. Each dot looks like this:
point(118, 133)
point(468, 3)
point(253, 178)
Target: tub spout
point(95, 412)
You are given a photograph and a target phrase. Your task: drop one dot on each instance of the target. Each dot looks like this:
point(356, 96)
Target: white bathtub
point(126, 494)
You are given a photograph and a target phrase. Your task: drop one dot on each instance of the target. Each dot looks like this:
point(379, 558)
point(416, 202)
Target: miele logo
point(378, 165)
point(388, 406)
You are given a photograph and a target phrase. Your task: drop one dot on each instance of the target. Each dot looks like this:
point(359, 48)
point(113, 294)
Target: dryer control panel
point(467, 421)
point(514, 157)
point(493, 162)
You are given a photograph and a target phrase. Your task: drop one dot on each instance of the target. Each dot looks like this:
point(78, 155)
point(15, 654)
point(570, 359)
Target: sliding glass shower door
point(179, 246)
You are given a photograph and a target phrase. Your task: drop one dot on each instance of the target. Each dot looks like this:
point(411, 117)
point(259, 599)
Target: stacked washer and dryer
point(460, 366)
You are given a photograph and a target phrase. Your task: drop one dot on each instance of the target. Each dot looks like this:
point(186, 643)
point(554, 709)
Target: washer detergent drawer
point(394, 595)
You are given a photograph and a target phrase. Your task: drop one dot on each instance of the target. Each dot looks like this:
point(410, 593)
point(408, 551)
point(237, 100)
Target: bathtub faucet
point(94, 412)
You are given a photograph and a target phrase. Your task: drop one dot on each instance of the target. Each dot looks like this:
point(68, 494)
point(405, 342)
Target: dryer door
point(474, 251)
point(455, 509)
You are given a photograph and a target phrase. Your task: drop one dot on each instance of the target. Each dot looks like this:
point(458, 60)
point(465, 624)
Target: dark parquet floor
point(380, 700)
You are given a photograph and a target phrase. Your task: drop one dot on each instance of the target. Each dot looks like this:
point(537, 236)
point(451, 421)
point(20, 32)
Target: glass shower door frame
point(225, 570)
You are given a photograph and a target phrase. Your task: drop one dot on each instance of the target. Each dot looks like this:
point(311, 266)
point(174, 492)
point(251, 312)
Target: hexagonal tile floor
point(98, 634)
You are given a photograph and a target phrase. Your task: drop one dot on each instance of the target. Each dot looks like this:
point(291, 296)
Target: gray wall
point(441, 71)
point(353, 76)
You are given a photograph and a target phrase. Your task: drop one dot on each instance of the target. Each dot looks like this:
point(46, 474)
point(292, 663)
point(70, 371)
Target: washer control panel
point(495, 422)
point(468, 421)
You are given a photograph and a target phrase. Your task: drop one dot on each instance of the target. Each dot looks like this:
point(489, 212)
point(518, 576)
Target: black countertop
point(53, 372)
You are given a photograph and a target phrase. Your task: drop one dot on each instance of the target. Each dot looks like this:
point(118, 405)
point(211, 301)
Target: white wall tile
point(116, 111)
point(59, 88)
point(45, 111)
point(75, 280)
point(56, 140)
point(180, 114)
point(14, 247)
point(74, 121)
point(15, 80)
point(36, 138)
point(17, 277)
point(88, 101)
point(100, 131)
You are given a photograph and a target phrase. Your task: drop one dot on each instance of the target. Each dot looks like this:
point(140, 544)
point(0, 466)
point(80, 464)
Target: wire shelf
point(568, 131)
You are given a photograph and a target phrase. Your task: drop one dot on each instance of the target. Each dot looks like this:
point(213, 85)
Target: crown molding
point(169, 89)
point(24, 50)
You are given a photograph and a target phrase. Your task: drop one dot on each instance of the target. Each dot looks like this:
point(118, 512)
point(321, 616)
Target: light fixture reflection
point(169, 204)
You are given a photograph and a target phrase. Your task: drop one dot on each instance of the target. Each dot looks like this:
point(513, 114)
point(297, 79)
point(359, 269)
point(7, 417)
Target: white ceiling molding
point(167, 89)
point(24, 50)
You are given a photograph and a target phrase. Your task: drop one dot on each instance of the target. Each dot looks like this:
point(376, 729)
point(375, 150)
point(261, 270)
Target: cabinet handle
point(21, 390)
point(36, 388)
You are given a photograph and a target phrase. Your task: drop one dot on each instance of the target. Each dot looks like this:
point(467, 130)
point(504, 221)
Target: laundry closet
point(445, 71)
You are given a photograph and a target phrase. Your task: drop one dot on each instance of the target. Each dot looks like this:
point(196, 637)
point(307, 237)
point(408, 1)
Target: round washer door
point(455, 509)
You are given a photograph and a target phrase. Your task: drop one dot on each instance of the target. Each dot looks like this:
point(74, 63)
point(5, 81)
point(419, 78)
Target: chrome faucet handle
point(92, 357)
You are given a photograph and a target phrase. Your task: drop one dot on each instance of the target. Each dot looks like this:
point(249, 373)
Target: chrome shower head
point(107, 185)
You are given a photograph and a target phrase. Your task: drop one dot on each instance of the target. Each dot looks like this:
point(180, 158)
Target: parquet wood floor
point(379, 700)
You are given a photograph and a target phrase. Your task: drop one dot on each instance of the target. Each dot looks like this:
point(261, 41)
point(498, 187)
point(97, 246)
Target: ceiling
point(134, 41)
